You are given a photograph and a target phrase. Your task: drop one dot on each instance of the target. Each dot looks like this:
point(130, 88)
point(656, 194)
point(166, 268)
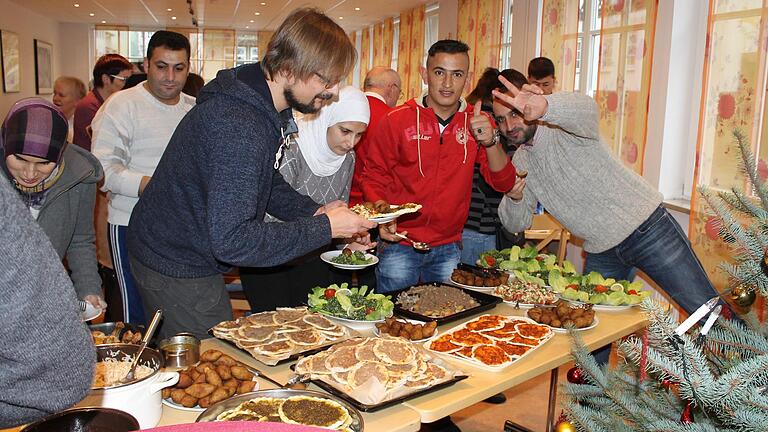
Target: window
point(587, 54)
point(431, 20)
point(395, 42)
point(247, 50)
point(506, 36)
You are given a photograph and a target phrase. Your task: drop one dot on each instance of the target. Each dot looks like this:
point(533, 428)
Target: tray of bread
point(374, 373)
point(492, 342)
point(281, 335)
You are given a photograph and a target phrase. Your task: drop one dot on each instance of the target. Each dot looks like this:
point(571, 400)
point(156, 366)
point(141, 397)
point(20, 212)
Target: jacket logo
point(420, 137)
point(461, 136)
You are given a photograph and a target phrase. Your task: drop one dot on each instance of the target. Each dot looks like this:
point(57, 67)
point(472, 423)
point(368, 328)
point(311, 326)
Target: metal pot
point(141, 398)
point(181, 350)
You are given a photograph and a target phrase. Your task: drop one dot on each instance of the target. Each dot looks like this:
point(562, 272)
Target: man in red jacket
point(382, 88)
point(424, 151)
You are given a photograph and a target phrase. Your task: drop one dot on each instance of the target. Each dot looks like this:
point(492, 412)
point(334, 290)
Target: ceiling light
point(76, 5)
point(257, 13)
point(251, 20)
point(103, 22)
point(247, 27)
point(91, 14)
point(169, 9)
point(173, 18)
point(263, 4)
point(341, 17)
point(357, 9)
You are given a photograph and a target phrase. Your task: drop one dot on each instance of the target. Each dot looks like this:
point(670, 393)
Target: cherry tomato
point(601, 288)
point(539, 258)
point(491, 261)
point(573, 287)
point(632, 292)
point(369, 310)
point(329, 293)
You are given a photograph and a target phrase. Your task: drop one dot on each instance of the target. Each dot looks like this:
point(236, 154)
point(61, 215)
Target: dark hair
point(448, 46)
point(308, 42)
point(171, 40)
point(541, 67)
point(488, 81)
point(109, 64)
point(193, 85)
point(135, 80)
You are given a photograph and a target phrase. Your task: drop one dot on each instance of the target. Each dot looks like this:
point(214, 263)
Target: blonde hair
point(308, 42)
point(76, 84)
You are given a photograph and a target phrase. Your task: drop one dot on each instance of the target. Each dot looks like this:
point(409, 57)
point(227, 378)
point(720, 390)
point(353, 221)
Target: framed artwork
point(9, 57)
point(43, 67)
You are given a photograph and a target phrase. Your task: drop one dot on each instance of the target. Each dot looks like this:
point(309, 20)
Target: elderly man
point(67, 92)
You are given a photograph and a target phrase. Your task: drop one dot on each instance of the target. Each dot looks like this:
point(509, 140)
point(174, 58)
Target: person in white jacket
point(130, 134)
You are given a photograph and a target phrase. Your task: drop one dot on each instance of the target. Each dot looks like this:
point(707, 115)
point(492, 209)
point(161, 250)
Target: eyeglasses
point(326, 82)
point(399, 89)
point(121, 78)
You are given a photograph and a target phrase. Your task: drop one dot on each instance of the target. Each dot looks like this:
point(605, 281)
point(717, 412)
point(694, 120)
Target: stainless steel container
point(181, 350)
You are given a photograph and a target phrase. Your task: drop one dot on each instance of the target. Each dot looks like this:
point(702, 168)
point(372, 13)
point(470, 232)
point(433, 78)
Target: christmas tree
point(711, 377)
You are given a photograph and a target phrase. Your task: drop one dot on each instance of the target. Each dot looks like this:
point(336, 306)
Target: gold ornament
point(565, 426)
point(743, 296)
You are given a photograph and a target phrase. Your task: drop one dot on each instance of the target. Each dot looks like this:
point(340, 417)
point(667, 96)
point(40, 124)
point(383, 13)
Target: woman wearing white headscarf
point(319, 164)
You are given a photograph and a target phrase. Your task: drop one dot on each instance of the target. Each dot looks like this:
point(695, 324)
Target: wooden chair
point(547, 229)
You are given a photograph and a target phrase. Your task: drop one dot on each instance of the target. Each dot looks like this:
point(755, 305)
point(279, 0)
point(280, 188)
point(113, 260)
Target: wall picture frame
point(9, 60)
point(43, 67)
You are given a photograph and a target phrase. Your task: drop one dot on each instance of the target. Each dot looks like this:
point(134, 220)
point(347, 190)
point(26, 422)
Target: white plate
point(394, 215)
point(595, 322)
point(90, 312)
point(197, 408)
point(482, 289)
point(412, 321)
point(327, 256)
point(603, 308)
point(353, 324)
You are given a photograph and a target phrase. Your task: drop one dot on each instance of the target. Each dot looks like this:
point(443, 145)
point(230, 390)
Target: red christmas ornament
point(687, 416)
point(575, 376)
point(666, 383)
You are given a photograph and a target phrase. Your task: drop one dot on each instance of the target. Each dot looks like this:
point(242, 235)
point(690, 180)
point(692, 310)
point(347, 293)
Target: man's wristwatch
point(494, 140)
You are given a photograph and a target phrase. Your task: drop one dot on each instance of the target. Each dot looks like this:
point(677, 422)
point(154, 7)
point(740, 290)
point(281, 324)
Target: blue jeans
point(659, 248)
point(402, 266)
point(474, 243)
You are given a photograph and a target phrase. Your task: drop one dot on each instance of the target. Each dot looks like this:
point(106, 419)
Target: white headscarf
point(351, 106)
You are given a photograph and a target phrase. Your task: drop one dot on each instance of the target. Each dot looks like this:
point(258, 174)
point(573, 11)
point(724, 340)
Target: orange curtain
point(411, 51)
point(624, 77)
point(559, 35)
point(482, 32)
point(387, 33)
point(733, 97)
point(365, 53)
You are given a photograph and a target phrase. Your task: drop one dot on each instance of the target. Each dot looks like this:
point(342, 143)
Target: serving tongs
point(147, 336)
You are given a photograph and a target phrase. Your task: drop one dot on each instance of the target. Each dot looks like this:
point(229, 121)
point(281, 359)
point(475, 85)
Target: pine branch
point(739, 201)
point(749, 167)
point(733, 336)
point(747, 246)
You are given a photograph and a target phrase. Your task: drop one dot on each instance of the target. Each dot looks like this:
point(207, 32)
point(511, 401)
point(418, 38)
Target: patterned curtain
point(733, 97)
point(387, 33)
point(624, 77)
point(482, 32)
point(365, 53)
point(411, 52)
point(559, 34)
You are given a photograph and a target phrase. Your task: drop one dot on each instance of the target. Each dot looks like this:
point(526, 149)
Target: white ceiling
point(235, 14)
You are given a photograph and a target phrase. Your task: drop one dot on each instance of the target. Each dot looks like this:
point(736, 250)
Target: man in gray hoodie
point(46, 353)
point(203, 211)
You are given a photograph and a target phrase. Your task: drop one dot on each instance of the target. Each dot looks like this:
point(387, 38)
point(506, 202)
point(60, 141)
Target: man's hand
point(361, 242)
point(331, 205)
point(528, 100)
point(481, 127)
point(345, 223)
point(387, 231)
point(144, 182)
point(96, 301)
point(516, 193)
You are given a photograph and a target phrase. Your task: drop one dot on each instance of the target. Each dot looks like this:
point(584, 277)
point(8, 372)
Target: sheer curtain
point(482, 32)
point(559, 40)
point(411, 52)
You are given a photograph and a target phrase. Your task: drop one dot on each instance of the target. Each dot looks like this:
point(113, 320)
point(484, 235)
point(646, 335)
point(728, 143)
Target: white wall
point(28, 26)
point(76, 50)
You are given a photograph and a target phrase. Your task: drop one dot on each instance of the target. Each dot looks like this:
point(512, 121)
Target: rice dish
point(110, 371)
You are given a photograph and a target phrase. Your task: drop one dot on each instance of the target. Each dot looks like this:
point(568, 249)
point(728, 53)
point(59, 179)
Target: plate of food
point(383, 212)
point(443, 303)
point(116, 332)
point(413, 330)
point(357, 308)
point(349, 260)
point(215, 378)
point(303, 407)
point(477, 278)
point(605, 294)
point(90, 312)
point(526, 295)
point(564, 314)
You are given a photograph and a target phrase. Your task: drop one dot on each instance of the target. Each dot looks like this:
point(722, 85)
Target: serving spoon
point(421, 246)
point(147, 336)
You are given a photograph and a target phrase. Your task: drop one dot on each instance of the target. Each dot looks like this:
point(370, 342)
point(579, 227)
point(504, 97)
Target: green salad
point(525, 263)
point(348, 257)
point(595, 289)
point(350, 303)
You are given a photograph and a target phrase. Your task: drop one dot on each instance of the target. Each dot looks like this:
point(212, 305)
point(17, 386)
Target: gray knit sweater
point(46, 354)
point(576, 178)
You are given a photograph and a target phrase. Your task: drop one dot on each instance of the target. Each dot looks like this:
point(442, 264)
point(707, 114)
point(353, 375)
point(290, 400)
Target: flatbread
point(261, 319)
point(341, 359)
point(364, 371)
point(490, 355)
point(313, 411)
point(394, 351)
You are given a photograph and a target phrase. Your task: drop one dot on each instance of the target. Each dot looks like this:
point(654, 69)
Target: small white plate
point(353, 324)
point(412, 321)
point(482, 289)
point(604, 308)
point(394, 215)
point(328, 256)
point(90, 312)
point(563, 330)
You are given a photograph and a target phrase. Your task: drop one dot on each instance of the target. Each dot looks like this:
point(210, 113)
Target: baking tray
point(486, 301)
point(214, 410)
point(294, 356)
point(381, 405)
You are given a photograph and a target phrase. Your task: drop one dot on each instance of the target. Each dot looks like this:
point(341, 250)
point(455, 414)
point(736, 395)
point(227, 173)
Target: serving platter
point(210, 414)
point(330, 255)
point(483, 289)
point(594, 324)
point(486, 302)
point(603, 308)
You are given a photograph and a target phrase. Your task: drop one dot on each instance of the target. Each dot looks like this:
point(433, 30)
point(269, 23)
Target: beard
point(525, 135)
point(304, 108)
